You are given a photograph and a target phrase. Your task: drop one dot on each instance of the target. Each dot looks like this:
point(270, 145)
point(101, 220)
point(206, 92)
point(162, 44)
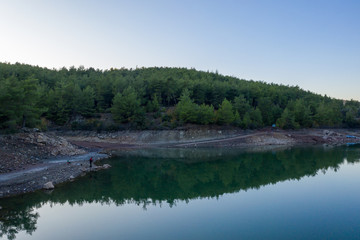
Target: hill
point(158, 98)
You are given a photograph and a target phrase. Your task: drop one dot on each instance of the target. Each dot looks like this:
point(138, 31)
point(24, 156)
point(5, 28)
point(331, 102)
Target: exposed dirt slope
point(212, 138)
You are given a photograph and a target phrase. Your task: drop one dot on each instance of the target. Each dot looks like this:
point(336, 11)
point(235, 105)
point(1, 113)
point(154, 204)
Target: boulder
point(106, 166)
point(48, 185)
point(41, 138)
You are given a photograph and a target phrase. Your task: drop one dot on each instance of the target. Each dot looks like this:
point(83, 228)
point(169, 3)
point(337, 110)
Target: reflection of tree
point(167, 176)
point(14, 221)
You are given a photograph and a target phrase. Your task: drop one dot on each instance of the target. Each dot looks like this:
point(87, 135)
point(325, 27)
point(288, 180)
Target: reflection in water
point(160, 176)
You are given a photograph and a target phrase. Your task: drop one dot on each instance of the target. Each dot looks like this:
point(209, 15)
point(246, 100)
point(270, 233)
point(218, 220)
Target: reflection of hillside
point(149, 177)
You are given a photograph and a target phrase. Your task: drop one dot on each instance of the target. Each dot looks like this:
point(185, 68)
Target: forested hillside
point(158, 98)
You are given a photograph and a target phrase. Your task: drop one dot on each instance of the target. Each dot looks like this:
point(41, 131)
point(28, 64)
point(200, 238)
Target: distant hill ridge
point(158, 98)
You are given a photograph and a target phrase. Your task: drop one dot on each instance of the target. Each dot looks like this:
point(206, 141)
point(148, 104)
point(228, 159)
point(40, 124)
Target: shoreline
point(55, 169)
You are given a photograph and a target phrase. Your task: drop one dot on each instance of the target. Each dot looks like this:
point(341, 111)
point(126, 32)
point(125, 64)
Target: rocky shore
point(23, 150)
point(34, 160)
point(46, 175)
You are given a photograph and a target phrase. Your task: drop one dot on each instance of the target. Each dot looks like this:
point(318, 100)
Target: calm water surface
point(297, 193)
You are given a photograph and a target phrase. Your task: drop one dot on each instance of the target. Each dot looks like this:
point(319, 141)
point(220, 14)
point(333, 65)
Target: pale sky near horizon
point(313, 44)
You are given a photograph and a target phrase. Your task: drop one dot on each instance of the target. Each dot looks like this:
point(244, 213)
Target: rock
point(41, 139)
point(100, 136)
point(48, 185)
point(106, 166)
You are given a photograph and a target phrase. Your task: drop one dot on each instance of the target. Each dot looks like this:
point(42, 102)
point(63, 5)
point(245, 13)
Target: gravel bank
point(53, 170)
point(30, 159)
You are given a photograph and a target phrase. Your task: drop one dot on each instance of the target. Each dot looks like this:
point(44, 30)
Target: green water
point(297, 193)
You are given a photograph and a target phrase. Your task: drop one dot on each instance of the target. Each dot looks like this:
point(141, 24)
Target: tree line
point(155, 98)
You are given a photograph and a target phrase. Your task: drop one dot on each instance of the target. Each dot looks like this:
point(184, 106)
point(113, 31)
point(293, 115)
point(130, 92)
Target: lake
point(289, 193)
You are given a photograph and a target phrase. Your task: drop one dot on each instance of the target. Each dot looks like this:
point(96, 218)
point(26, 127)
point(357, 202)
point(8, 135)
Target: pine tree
point(29, 107)
point(11, 94)
point(186, 109)
point(125, 106)
point(256, 118)
point(86, 103)
point(206, 114)
point(287, 120)
point(237, 119)
point(302, 113)
point(246, 122)
point(225, 114)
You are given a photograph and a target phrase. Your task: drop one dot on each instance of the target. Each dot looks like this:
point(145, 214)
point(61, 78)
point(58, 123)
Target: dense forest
point(158, 98)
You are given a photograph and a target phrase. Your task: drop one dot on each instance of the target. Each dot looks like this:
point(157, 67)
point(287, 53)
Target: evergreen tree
point(29, 107)
point(11, 95)
point(256, 118)
point(328, 114)
point(237, 119)
point(206, 114)
point(19, 103)
point(287, 120)
point(302, 113)
point(125, 106)
point(153, 106)
point(186, 109)
point(266, 106)
point(225, 114)
point(351, 117)
point(241, 105)
point(86, 103)
point(246, 122)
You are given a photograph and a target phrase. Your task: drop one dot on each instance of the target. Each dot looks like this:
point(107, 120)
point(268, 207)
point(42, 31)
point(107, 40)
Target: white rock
point(106, 166)
point(48, 185)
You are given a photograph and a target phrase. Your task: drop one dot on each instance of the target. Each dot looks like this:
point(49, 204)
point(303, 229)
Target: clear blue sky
point(312, 44)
